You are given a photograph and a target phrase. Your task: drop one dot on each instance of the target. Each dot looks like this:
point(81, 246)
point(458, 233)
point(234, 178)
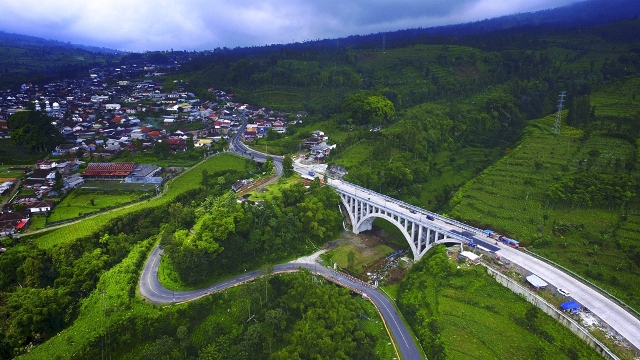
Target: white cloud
point(140, 25)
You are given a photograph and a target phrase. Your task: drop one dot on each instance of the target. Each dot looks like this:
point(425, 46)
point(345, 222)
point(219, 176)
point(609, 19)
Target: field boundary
point(552, 311)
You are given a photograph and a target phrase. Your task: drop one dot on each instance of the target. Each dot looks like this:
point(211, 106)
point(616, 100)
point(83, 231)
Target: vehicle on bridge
point(510, 242)
point(429, 217)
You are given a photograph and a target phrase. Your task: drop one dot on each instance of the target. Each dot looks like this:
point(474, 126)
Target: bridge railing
point(427, 223)
point(413, 207)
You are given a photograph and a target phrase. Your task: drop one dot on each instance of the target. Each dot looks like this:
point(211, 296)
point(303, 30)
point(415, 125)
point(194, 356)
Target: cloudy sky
point(139, 25)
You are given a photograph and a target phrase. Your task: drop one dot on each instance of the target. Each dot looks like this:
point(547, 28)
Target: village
point(107, 113)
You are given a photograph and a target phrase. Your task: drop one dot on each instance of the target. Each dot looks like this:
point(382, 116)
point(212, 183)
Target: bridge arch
point(420, 234)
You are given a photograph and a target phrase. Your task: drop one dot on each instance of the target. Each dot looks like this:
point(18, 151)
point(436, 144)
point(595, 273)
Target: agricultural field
point(189, 179)
point(619, 99)
point(116, 186)
point(451, 170)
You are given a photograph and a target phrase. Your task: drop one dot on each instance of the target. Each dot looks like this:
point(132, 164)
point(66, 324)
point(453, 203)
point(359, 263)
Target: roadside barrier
point(555, 313)
point(602, 291)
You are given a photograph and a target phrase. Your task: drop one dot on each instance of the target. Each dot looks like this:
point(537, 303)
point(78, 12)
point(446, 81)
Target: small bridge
point(422, 233)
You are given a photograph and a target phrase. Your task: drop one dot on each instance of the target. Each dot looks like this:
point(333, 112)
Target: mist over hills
point(19, 40)
point(586, 13)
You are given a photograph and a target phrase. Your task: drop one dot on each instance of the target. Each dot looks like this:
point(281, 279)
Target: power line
point(556, 124)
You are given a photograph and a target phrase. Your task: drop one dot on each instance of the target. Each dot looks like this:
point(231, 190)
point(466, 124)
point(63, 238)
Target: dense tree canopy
point(229, 237)
point(365, 107)
point(34, 131)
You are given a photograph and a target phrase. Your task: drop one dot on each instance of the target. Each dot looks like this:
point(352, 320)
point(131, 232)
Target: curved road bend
point(152, 290)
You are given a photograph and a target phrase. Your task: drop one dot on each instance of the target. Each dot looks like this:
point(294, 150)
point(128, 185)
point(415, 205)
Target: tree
point(58, 183)
point(80, 153)
point(365, 107)
point(379, 109)
point(268, 164)
point(34, 130)
point(161, 149)
point(287, 166)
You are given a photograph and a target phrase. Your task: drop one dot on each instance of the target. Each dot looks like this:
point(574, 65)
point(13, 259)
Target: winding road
point(151, 289)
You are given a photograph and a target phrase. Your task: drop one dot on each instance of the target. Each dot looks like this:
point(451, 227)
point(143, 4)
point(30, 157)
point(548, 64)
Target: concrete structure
point(364, 205)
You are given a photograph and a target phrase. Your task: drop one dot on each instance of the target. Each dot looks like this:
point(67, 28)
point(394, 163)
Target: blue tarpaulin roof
point(570, 305)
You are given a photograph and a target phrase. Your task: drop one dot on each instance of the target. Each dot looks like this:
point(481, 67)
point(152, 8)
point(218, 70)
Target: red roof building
point(109, 171)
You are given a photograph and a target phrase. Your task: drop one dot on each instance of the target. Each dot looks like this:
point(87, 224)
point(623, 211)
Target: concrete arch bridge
point(422, 229)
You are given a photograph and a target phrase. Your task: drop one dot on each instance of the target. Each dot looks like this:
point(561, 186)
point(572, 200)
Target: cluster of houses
point(41, 185)
point(317, 146)
point(106, 112)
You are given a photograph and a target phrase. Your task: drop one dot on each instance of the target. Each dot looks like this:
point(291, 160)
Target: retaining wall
point(555, 313)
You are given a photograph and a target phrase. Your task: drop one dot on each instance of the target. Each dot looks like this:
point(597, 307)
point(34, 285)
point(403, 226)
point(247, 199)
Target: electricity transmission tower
point(556, 124)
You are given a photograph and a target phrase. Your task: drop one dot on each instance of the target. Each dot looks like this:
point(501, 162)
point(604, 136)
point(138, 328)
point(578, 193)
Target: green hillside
point(572, 198)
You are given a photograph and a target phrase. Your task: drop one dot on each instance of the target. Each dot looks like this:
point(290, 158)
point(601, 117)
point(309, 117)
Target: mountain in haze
point(26, 58)
point(586, 13)
point(25, 41)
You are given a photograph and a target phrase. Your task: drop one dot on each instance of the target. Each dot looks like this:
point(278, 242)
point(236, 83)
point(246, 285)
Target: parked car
point(563, 292)
point(412, 211)
point(429, 217)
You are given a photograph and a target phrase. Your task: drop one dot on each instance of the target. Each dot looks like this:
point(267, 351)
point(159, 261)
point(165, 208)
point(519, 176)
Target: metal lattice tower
point(556, 124)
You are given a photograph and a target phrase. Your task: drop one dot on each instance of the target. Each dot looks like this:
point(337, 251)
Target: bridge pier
point(421, 234)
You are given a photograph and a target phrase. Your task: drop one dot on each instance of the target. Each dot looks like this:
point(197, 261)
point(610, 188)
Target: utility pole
point(556, 124)
point(384, 43)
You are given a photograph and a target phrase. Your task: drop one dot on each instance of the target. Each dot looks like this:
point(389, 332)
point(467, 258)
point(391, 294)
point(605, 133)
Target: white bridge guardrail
point(427, 223)
point(480, 232)
point(413, 207)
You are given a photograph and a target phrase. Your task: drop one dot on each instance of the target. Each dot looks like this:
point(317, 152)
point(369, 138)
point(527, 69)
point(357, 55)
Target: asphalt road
point(613, 314)
point(151, 289)
point(609, 311)
point(239, 148)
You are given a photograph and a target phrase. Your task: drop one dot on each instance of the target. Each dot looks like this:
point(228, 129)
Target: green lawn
point(362, 258)
point(79, 202)
point(274, 190)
